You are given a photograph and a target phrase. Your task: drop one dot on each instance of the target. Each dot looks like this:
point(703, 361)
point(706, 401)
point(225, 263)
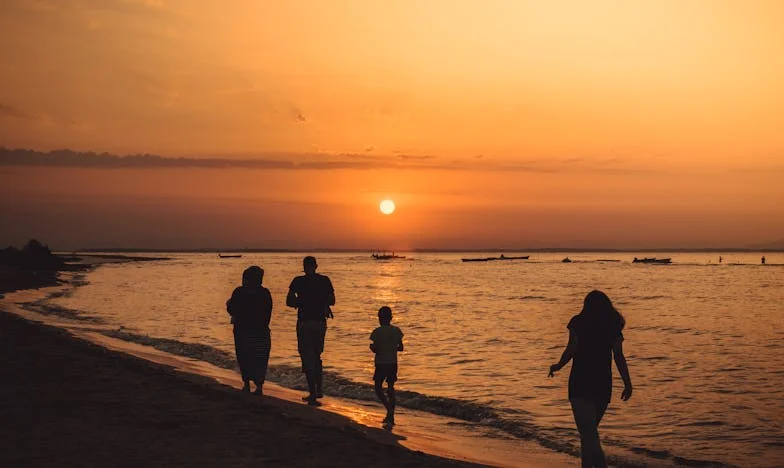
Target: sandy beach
point(69, 402)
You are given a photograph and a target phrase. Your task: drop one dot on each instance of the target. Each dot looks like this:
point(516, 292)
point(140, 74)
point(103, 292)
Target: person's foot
point(308, 397)
point(313, 402)
point(258, 390)
point(319, 394)
point(246, 387)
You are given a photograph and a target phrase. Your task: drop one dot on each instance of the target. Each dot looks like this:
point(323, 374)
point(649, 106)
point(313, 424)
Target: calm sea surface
point(705, 342)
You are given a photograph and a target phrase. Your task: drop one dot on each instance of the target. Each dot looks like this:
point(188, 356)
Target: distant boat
point(566, 260)
point(386, 256)
point(652, 260)
point(491, 259)
point(229, 256)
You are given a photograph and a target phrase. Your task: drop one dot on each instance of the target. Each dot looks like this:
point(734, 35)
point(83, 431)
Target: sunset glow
point(513, 123)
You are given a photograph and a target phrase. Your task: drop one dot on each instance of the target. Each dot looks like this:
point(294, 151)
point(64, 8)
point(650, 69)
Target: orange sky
point(491, 124)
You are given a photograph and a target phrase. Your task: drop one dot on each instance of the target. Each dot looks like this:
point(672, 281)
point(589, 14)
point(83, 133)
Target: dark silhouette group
point(595, 339)
point(250, 307)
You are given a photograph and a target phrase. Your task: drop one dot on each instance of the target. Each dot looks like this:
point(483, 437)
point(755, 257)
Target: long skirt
point(253, 352)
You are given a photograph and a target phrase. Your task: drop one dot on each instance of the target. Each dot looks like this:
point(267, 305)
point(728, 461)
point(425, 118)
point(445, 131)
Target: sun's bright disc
point(387, 207)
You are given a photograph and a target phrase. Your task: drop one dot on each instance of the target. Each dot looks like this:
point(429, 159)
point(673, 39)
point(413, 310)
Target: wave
point(534, 298)
point(650, 298)
point(478, 414)
point(465, 361)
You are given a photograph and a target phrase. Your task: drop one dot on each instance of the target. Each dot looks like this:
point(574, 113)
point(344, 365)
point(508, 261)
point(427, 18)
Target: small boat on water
point(652, 260)
point(386, 256)
point(566, 260)
point(491, 259)
point(229, 255)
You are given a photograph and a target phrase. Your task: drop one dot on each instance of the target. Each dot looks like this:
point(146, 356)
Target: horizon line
point(426, 250)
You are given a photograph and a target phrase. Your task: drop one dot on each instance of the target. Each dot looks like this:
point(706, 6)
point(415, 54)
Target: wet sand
point(69, 402)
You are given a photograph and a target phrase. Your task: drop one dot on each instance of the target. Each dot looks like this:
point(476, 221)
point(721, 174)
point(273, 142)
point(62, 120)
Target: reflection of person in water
point(250, 308)
point(595, 337)
point(312, 294)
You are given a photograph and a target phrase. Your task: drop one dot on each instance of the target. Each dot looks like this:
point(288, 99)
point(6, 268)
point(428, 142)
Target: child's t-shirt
point(386, 338)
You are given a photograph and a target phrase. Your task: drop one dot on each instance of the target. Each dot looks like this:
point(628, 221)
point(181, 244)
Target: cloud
point(10, 111)
point(306, 161)
point(414, 157)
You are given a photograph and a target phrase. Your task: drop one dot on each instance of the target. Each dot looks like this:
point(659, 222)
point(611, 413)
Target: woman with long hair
point(595, 338)
point(250, 308)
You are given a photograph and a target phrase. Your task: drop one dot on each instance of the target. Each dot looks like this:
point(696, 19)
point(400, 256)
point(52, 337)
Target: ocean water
point(704, 342)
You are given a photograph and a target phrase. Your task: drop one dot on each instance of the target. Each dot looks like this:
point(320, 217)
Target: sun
point(387, 207)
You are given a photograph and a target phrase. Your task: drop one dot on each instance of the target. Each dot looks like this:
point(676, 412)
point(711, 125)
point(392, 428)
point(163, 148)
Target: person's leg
point(309, 358)
point(585, 417)
point(391, 379)
point(239, 352)
point(322, 333)
point(319, 379)
point(392, 401)
point(265, 345)
point(379, 386)
point(299, 345)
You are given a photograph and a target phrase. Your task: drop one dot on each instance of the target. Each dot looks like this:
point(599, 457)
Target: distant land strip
point(428, 250)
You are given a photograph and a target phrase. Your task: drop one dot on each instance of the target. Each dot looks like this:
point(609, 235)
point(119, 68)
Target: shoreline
point(17, 278)
point(443, 439)
point(72, 402)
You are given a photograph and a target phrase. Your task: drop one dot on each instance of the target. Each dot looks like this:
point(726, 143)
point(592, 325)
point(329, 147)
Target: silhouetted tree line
point(33, 256)
point(70, 158)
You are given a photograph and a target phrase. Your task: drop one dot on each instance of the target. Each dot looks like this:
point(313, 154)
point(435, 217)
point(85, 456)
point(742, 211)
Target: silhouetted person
point(250, 308)
point(719, 258)
point(763, 259)
point(387, 340)
point(595, 337)
point(312, 294)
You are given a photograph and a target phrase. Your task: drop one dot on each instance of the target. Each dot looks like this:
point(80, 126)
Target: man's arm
point(400, 343)
point(268, 311)
point(291, 297)
point(567, 355)
point(623, 369)
point(331, 295)
point(230, 302)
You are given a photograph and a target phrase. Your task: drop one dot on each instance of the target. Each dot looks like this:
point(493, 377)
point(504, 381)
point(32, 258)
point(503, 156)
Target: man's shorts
point(385, 371)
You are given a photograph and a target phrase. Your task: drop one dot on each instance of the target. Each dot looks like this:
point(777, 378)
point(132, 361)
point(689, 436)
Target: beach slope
point(69, 402)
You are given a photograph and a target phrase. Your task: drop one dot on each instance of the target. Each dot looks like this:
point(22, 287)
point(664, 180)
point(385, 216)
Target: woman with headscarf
point(595, 338)
point(250, 307)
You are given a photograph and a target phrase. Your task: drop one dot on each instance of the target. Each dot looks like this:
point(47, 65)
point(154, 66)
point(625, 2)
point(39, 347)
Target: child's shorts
point(385, 371)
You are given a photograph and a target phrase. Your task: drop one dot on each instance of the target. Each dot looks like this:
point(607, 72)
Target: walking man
point(312, 295)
